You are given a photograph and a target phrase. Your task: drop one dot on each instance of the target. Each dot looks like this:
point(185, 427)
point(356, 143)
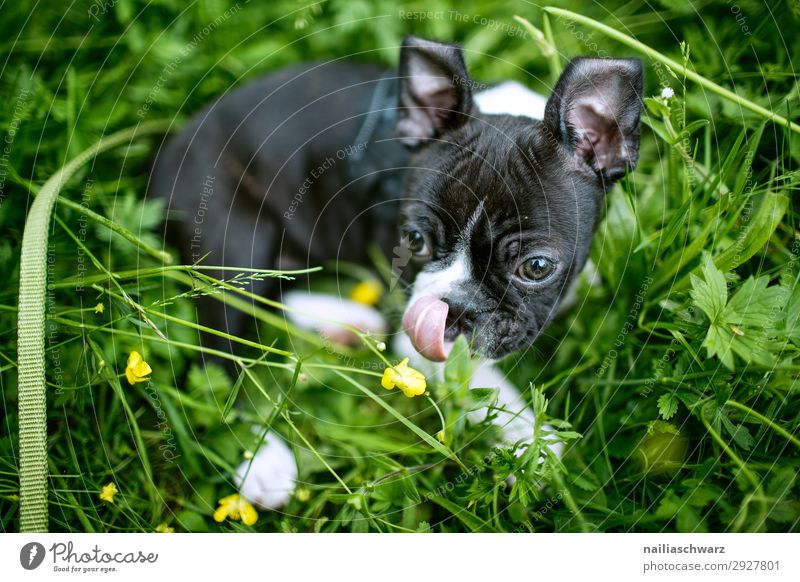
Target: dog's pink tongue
point(425, 322)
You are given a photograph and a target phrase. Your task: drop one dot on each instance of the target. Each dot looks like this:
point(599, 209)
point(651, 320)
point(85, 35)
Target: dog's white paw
point(326, 314)
point(267, 480)
point(515, 417)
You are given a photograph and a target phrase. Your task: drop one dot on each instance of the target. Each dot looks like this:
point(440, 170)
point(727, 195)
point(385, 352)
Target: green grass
point(674, 381)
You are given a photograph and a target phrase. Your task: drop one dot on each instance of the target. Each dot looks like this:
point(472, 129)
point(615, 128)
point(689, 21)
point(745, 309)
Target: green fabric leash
point(30, 339)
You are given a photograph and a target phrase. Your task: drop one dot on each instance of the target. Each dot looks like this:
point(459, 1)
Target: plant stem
point(439, 412)
point(779, 429)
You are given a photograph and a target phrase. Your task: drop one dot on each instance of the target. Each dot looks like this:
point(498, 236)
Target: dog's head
point(500, 210)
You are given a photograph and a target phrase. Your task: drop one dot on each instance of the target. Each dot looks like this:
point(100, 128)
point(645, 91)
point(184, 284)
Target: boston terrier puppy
point(485, 202)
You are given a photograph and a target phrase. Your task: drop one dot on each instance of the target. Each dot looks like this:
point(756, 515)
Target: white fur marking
point(440, 283)
point(323, 312)
point(271, 477)
point(473, 220)
point(511, 98)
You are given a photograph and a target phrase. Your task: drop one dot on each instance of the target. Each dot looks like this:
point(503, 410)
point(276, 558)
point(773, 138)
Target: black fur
point(540, 183)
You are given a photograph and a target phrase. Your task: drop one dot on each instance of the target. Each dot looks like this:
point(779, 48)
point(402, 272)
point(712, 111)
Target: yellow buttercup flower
point(164, 528)
point(402, 376)
point(235, 507)
point(99, 308)
point(367, 292)
point(137, 369)
point(108, 492)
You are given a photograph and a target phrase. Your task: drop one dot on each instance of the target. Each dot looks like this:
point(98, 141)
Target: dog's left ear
point(435, 94)
point(594, 110)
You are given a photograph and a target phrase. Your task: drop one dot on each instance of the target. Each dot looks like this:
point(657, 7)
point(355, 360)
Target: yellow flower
point(407, 379)
point(235, 507)
point(137, 369)
point(367, 292)
point(99, 308)
point(164, 528)
point(108, 492)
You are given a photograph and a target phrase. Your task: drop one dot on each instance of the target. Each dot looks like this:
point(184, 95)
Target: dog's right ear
point(595, 109)
point(435, 94)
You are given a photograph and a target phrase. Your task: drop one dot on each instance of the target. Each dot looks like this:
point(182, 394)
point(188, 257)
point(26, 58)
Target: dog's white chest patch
point(511, 98)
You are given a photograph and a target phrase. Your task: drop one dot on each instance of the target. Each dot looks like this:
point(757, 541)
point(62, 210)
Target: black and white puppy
point(496, 192)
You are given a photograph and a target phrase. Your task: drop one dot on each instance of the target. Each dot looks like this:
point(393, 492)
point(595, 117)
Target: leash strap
point(33, 473)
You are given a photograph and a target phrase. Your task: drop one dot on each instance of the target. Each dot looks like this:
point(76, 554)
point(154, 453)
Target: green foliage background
point(674, 380)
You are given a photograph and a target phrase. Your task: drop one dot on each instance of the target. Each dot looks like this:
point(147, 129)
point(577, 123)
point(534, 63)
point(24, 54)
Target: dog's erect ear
point(594, 110)
point(435, 93)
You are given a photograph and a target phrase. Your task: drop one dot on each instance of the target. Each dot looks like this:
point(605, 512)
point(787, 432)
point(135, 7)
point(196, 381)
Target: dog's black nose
point(460, 320)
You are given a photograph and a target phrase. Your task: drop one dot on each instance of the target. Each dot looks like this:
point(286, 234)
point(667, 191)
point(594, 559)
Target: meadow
point(673, 381)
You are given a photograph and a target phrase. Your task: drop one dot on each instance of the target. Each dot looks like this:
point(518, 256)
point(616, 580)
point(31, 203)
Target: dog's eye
point(536, 269)
point(416, 243)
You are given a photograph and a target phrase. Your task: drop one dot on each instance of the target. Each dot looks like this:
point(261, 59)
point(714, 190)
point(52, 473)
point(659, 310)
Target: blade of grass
point(435, 444)
point(296, 430)
point(544, 40)
point(150, 485)
point(469, 519)
point(777, 428)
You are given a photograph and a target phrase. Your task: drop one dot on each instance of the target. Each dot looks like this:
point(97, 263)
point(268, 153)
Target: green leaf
point(689, 399)
point(232, 396)
point(482, 398)
point(742, 325)
point(739, 433)
point(784, 512)
point(702, 494)
point(656, 107)
point(710, 293)
point(760, 229)
point(191, 521)
point(458, 367)
point(755, 303)
point(409, 488)
point(469, 519)
point(782, 482)
point(689, 520)
point(586, 480)
point(676, 224)
point(753, 347)
point(745, 171)
point(667, 405)
point(718, 343)
point(210, 379)
point(694, 126)
point(669, 506)
point(785, 509)
point(793, 315)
